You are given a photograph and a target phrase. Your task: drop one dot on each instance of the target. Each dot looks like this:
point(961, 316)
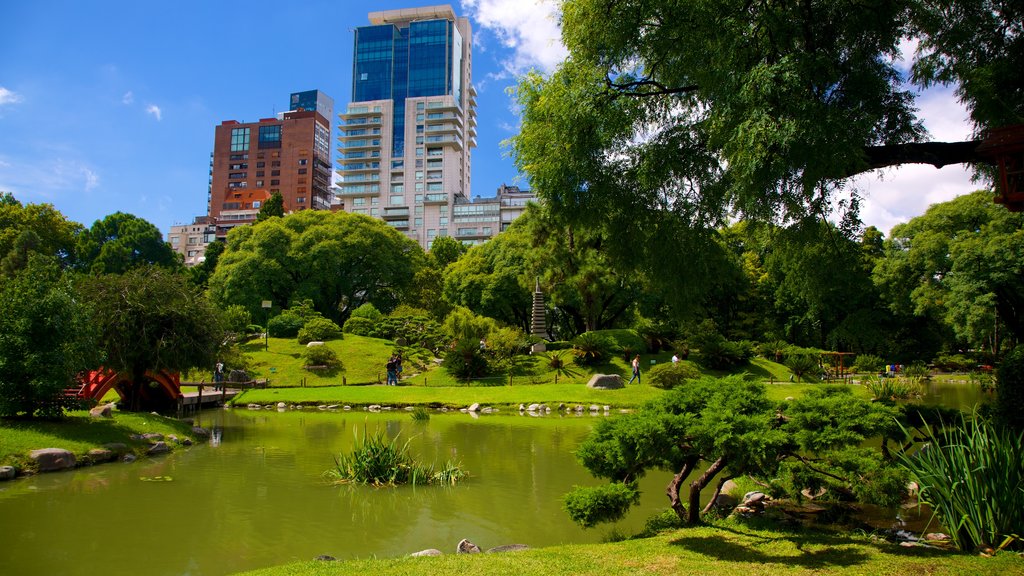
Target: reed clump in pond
point(381, 461)
point(971, 473)
point(887, 389)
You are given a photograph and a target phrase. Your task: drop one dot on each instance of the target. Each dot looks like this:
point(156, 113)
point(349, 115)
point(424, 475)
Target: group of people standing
point(394, 369)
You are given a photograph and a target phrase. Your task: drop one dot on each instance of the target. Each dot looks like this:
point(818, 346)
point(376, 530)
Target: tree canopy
point(33, 228)
point(337, 260)
point(120, 242)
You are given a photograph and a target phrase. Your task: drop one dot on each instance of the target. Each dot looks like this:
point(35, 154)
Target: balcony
point(437, 198)
point(434, 118)
point(396, 214)
point(357, 190)
point(350, 167)
point(453, 140)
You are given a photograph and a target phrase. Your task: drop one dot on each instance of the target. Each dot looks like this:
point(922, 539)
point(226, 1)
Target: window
point(418, 210)
point(419, 105)
point(419, 174)
point(374, 200)
point(175, 240)
point(419, 186)
point(435, 187)
point(270, 136)
point(301, 200)
point(395, 199)
point(374, 211)
point(275, 172)
point(239, 157)
point(434, 152)
point(231, 206)
point(272, 182)
point(257, 204)
point(419, 151)
point(239, 166)
point(397, 164)
point(275, 163)
point(259, 173)
point(259, 183)
point(236, 185)
point(302, 161)
point(358, 201)
point(236, 175)
point(261, 164)
point(443, 221)
point(397, 188)
point(431, 233)
point(417, 221)
point(419, 118)
point(239, 140)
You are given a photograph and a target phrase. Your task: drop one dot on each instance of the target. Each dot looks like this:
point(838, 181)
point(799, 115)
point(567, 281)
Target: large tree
point(46, 339)
point(120, 242)
point(151, 319)
point(33, 228)
point(667, 118)
point(337, 260)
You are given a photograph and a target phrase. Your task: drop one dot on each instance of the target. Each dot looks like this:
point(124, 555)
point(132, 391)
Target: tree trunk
point(718, 491)
point(673, 488)
point(697, 485)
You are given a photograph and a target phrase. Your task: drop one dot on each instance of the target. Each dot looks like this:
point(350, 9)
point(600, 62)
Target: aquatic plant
point(971, 476)
point(420, 414)
point(895, 388)
point(375, 459)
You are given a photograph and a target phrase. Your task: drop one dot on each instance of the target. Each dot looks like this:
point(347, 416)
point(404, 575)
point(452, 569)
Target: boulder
point(158, 448)
point(7, 472)
point(102, 411)
point(605, 382)
point(726, 501)
point(427, 552)
point(200, 431)
point(281, 405)
point(101, 455)
point(373, 407)
point(314, 344)
point(508, 548)
point(533, 407)
point(116, 447)
point(153, 437)
point(467, 547)
point(594, 407)
point(474, 407)
point(186, 441)
point(325, 558)
point(128, 458)
point(53, 459)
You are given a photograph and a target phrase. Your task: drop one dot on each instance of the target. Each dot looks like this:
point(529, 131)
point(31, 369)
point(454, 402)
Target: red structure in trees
point(1004, 147)
point(161, 390)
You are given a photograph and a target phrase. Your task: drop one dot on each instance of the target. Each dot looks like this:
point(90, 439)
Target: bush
point(558, 345)
point(774, 350)
point(285, 325)
point(954, 363)
point(320, 329)
point(590, 506)
point(466, 360)
point(722, 354)
point(1010, 390)
point(868, 364)
point(360, 326)
point(322, 356)
point(593, 348)
point(657, 335)
point(628, 342)
point(368, 311)
point(801, 364)
point(418, 331)
point(667, 376)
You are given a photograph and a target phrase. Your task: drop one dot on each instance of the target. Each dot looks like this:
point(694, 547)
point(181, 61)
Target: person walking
point(636, 370)
point(392, 374)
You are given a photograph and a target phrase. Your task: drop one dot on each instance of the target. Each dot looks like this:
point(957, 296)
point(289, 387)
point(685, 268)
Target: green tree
point(337, 260)
point(273, 206)
point(120, 242)
point(45, 339)
point(152, 319)
point(201, 272)
point(490, 279)
point(446, 250)
point(960, 266)
point(33, 228)
point(726, 428)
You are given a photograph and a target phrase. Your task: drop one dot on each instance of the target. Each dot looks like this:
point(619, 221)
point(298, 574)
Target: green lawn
point(725, 549)
point(79, 433)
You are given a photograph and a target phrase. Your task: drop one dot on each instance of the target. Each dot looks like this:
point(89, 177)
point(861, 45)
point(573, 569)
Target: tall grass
point(380, 461)
point(972, 475)
point(895, 388)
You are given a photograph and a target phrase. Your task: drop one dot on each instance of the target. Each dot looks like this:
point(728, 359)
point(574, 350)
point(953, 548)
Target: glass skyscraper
point(406, 135)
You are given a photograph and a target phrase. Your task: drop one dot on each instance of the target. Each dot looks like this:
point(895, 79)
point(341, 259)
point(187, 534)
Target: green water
point(254, 497)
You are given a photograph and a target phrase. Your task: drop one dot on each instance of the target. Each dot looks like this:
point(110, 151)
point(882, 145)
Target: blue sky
point(111, 106)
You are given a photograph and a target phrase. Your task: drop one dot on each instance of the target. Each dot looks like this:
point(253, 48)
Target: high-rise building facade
point(289, 154)
point(406, 136)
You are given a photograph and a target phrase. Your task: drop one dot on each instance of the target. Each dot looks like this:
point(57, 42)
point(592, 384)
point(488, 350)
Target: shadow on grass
point(835, 553)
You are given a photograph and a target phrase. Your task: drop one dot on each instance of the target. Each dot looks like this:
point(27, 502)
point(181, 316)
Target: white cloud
point(898, 194)
point(128, 98)
point(155, 111)
point(9, 97)
point(529, 29)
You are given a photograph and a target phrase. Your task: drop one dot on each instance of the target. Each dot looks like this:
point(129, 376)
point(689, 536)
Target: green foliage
point(120, 242)
point(592, 505)
point(418, 331)
point(318, 329)
point(971, 476)
point(368, 311)
point(503, 345)
point(45, 339)
point(917, 370)
point(153, 319)
point(657, 334)
point(718, 353)
point(285, 325)
point(802, 364)
point(954, 363)
point(446, 250)
point(895, 388)
point(33, 229)
point(337, 260)
point(868, 363)
point(466, 360)
point(360, 326)
point(668, 375)
point(1010, 390)
point(420, 414)
point(593, 348)
point(628, 342)
point(236, 319)
point(488, 279)
point(322, 356)
point(463, 324)
point(378, 461)
point(273, 206)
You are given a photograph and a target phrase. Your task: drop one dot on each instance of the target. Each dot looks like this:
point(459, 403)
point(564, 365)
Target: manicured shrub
point(360, 326)
point(368, 311)
point(322, 356)
point(593, 348)
point(285, 325)
point(592, 505)
point(319, 329)
point(627, 342)
point(868, 363)
point(954, 363)
point(667, 376)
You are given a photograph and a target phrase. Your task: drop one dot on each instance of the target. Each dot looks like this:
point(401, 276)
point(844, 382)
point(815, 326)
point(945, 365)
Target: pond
point(254, 497)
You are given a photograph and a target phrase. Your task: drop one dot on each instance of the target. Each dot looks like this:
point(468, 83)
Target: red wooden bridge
point(162, 389)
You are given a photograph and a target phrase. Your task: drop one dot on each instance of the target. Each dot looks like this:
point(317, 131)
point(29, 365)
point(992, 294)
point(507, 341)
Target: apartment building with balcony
point(405, 138)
